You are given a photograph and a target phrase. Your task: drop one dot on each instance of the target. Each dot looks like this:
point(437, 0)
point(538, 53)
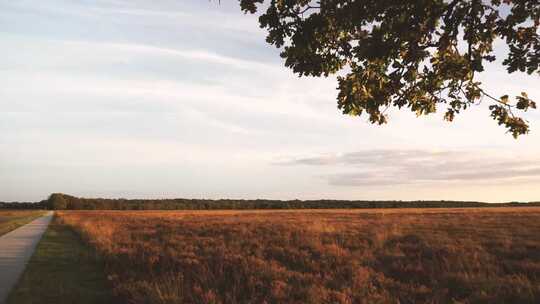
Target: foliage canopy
point(416, 54)
point(57, 201)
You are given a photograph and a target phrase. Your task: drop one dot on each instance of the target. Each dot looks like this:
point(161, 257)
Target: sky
point(167, 99)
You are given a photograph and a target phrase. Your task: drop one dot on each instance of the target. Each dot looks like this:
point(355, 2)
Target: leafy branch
point(407, 54)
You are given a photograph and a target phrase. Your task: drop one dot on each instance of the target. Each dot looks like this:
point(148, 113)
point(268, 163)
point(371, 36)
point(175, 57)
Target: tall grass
point(13, 219)
point(340, 256)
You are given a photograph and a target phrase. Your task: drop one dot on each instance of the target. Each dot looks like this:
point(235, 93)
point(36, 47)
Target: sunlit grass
point(318, 256)
point(13, 219)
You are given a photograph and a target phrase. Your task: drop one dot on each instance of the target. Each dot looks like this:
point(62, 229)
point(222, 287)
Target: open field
point(12, 219)
point(318, 256)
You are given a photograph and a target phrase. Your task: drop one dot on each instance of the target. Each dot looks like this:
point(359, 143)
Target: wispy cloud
point(200, 55)
point(394, 167)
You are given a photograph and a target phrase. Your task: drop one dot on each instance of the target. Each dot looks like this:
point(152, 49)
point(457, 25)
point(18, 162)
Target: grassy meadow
point(13, 219)
point(317, 256)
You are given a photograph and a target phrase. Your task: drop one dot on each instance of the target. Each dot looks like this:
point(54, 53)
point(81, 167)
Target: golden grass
point(485, 255)
point(13, 219)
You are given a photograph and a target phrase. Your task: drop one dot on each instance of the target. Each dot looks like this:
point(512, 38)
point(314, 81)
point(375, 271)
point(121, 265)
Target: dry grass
point(13, 219)
point(319, 256)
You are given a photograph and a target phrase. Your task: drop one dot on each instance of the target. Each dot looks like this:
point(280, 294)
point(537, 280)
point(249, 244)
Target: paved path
point(16, 248)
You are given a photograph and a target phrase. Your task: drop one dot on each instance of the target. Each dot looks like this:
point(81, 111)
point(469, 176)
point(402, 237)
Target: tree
point(57, 201)
point(416, 54)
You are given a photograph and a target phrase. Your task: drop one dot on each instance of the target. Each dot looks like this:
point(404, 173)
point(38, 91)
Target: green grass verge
point(62, 270)
point(10, 221)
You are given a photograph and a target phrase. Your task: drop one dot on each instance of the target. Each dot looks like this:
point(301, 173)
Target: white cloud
point(431, 167)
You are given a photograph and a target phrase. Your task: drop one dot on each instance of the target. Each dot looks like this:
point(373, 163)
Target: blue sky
point(185, 99)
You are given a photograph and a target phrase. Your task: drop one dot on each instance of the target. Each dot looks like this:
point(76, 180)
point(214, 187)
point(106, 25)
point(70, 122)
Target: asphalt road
point(16, 248)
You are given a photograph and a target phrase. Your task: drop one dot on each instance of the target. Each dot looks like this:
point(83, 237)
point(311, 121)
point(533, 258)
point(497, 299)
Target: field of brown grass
point(13, 219)
point(318, 256)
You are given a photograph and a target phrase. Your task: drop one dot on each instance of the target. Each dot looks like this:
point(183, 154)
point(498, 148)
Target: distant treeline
point(24, 205)
point(59, 201)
